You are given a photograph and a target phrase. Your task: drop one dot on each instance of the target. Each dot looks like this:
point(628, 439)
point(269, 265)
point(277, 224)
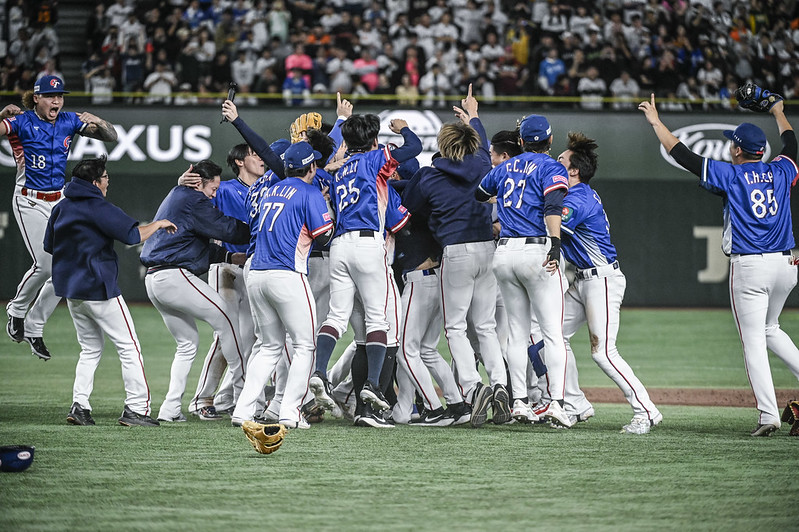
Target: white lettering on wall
point(718, 264)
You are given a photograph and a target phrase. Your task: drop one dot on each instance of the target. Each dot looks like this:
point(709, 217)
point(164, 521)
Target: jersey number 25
point(347, 194)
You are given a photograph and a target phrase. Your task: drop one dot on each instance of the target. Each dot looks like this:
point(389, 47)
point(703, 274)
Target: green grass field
point(699, 470)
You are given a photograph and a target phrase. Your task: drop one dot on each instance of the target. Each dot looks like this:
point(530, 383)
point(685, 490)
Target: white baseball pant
point(32, 215)
point(283, 303)
point(319, 279)
point(759, 286)
point(595, 297)
point(181, 297)
point(528, 289)
point(468, 287)
point(112, 317)
point(229, 281)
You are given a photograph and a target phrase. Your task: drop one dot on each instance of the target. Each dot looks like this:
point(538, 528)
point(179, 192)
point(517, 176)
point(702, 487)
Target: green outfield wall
point(666, 229)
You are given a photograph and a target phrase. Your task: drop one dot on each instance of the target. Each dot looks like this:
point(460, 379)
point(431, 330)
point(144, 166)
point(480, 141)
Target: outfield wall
point(666, 229)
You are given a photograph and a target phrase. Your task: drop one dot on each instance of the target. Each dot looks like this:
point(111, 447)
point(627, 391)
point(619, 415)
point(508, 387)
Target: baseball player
point(357, 254)
point(595, 296)
point(175, 262)
point(80, 236)
point(462, 226)
point(758, 238)
point(40, 139)
point(530, 189)
point(292, 214)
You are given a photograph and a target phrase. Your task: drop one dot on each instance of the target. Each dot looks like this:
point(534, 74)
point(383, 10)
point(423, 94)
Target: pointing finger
point(469, 95)
point(338, 98)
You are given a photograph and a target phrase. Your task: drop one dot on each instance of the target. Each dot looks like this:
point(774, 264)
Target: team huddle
point(331, 230)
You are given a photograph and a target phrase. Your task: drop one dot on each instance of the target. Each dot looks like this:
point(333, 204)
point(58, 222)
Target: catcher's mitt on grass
point(265, 438)
point(303, 123)
point(791, 415)
point(755, 98)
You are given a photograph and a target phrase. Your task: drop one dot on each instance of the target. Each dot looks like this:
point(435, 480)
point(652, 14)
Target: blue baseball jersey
point(41, 148)
point(520, 185)
point(252, 202)
point(360, 191)
point(396, 214)
point(585, 229)
point(231, 199)
point(757, 203)
point(291, 214)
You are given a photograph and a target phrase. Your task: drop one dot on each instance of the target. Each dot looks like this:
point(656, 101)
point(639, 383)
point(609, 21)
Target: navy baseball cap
point(749, 137)
point(280, 146)
point(300, 155)
point(407, 169)
point(535, 128)
point(49, 85)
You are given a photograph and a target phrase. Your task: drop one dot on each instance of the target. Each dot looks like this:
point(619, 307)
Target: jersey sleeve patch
point(566, 214)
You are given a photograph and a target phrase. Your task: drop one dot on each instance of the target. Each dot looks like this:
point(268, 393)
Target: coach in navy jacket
point(462, 226)
point(198, 222)
point(80, 235)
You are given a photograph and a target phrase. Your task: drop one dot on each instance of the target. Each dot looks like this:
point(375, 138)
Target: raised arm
point(412, 145)
point(7, 112)
point(789, 147)
point(97, 128)
point(256, 141)
point(679, 151)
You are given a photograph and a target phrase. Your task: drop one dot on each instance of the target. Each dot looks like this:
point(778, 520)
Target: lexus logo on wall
point(706, 140)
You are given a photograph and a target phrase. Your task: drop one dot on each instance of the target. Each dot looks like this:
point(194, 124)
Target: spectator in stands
point(242, 72)
point(220, 74)
point(468, 19)
point(446, 33)
point(160, 83)
point(226, 32)
point(118, 12)
point(101, 84)
point(626, 90)
point(132, 31)
point(367, 70)
point(592, 89)
point(579, 22)
point(132, 70)
point(426, 34)
point(302, 61)
point(549, 70)
point(279, 21)
point(295, 90)
point(340, 70)
point(407, 93)
point(555, 22)
point(49, 69)
point(268, 82)
point(22, 49)
point(435, 85)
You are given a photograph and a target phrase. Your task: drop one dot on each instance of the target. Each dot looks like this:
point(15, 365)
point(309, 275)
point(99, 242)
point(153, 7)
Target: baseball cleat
point(266, 418)
point(228, 411)
point(372, 395)
point(320, 388)
point(523, 413)
point(432, 418)
point(236, 421)
point(130, 418)
point(642, 424)
point(373, 419)
point(208, 413)
point(459, 412)
point(483, 396)
point(290, 424)
point(501, 405)
point(37, 347)
point(16, 328)
point(180, 418)
point(764, 430)
point(555, 413)
point(582, 417)
point(79, 416)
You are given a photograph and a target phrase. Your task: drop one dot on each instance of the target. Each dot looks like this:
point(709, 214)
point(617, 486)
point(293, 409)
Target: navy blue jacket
point(447, 189)
point(198, 221)
point(80, 236)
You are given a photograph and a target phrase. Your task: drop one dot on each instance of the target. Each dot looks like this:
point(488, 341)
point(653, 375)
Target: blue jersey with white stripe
point(41, 148)
point(291, 214)
point(252, 200)
point(360, 191)
point(231, 199)
point(585, 229)
point(757, 203)
point(520, 184)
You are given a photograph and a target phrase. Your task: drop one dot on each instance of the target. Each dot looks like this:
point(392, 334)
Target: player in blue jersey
point(758, 237)
point(40, 139)
point(293, 213)
point(80, 236)
point(359, 194)
point(175, 262)
point(530, 189)
point(597, 292)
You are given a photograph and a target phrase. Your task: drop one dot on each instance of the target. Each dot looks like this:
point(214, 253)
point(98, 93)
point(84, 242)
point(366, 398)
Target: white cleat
point(642, 424)
point(556, 414)
point(523, 413)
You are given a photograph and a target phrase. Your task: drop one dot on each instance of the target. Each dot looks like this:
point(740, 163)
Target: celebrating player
point(758, 238)
point(598, 289)
point(40, 139)
point(527, 260)
point(175, 262)
point(292, 214)
point(80, 236)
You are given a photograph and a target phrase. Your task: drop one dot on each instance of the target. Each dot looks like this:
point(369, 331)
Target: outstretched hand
point(343, 107)
point(468, 108)
point(650, 111)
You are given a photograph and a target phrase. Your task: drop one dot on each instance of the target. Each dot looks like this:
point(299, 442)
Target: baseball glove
point(265, 438)
point(313, 412)
point(303, 123)
point(791, 415)
point(755, 98)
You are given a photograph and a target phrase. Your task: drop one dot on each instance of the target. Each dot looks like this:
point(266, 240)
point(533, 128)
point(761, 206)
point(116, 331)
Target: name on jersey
point(281, 191)
point(754, 178)
point(347, 169)
point(518, 166)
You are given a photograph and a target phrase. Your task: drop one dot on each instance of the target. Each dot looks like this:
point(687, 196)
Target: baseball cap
point(49, 85)
point(300, 155)
point(535, 128)
point(749, 137)
point(280, 146)
point(407, 169)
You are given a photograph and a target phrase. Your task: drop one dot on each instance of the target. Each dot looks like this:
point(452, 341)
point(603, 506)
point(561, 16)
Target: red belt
point(44, 196)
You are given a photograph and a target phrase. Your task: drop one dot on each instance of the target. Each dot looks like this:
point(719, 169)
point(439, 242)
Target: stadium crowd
point(420, 51)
